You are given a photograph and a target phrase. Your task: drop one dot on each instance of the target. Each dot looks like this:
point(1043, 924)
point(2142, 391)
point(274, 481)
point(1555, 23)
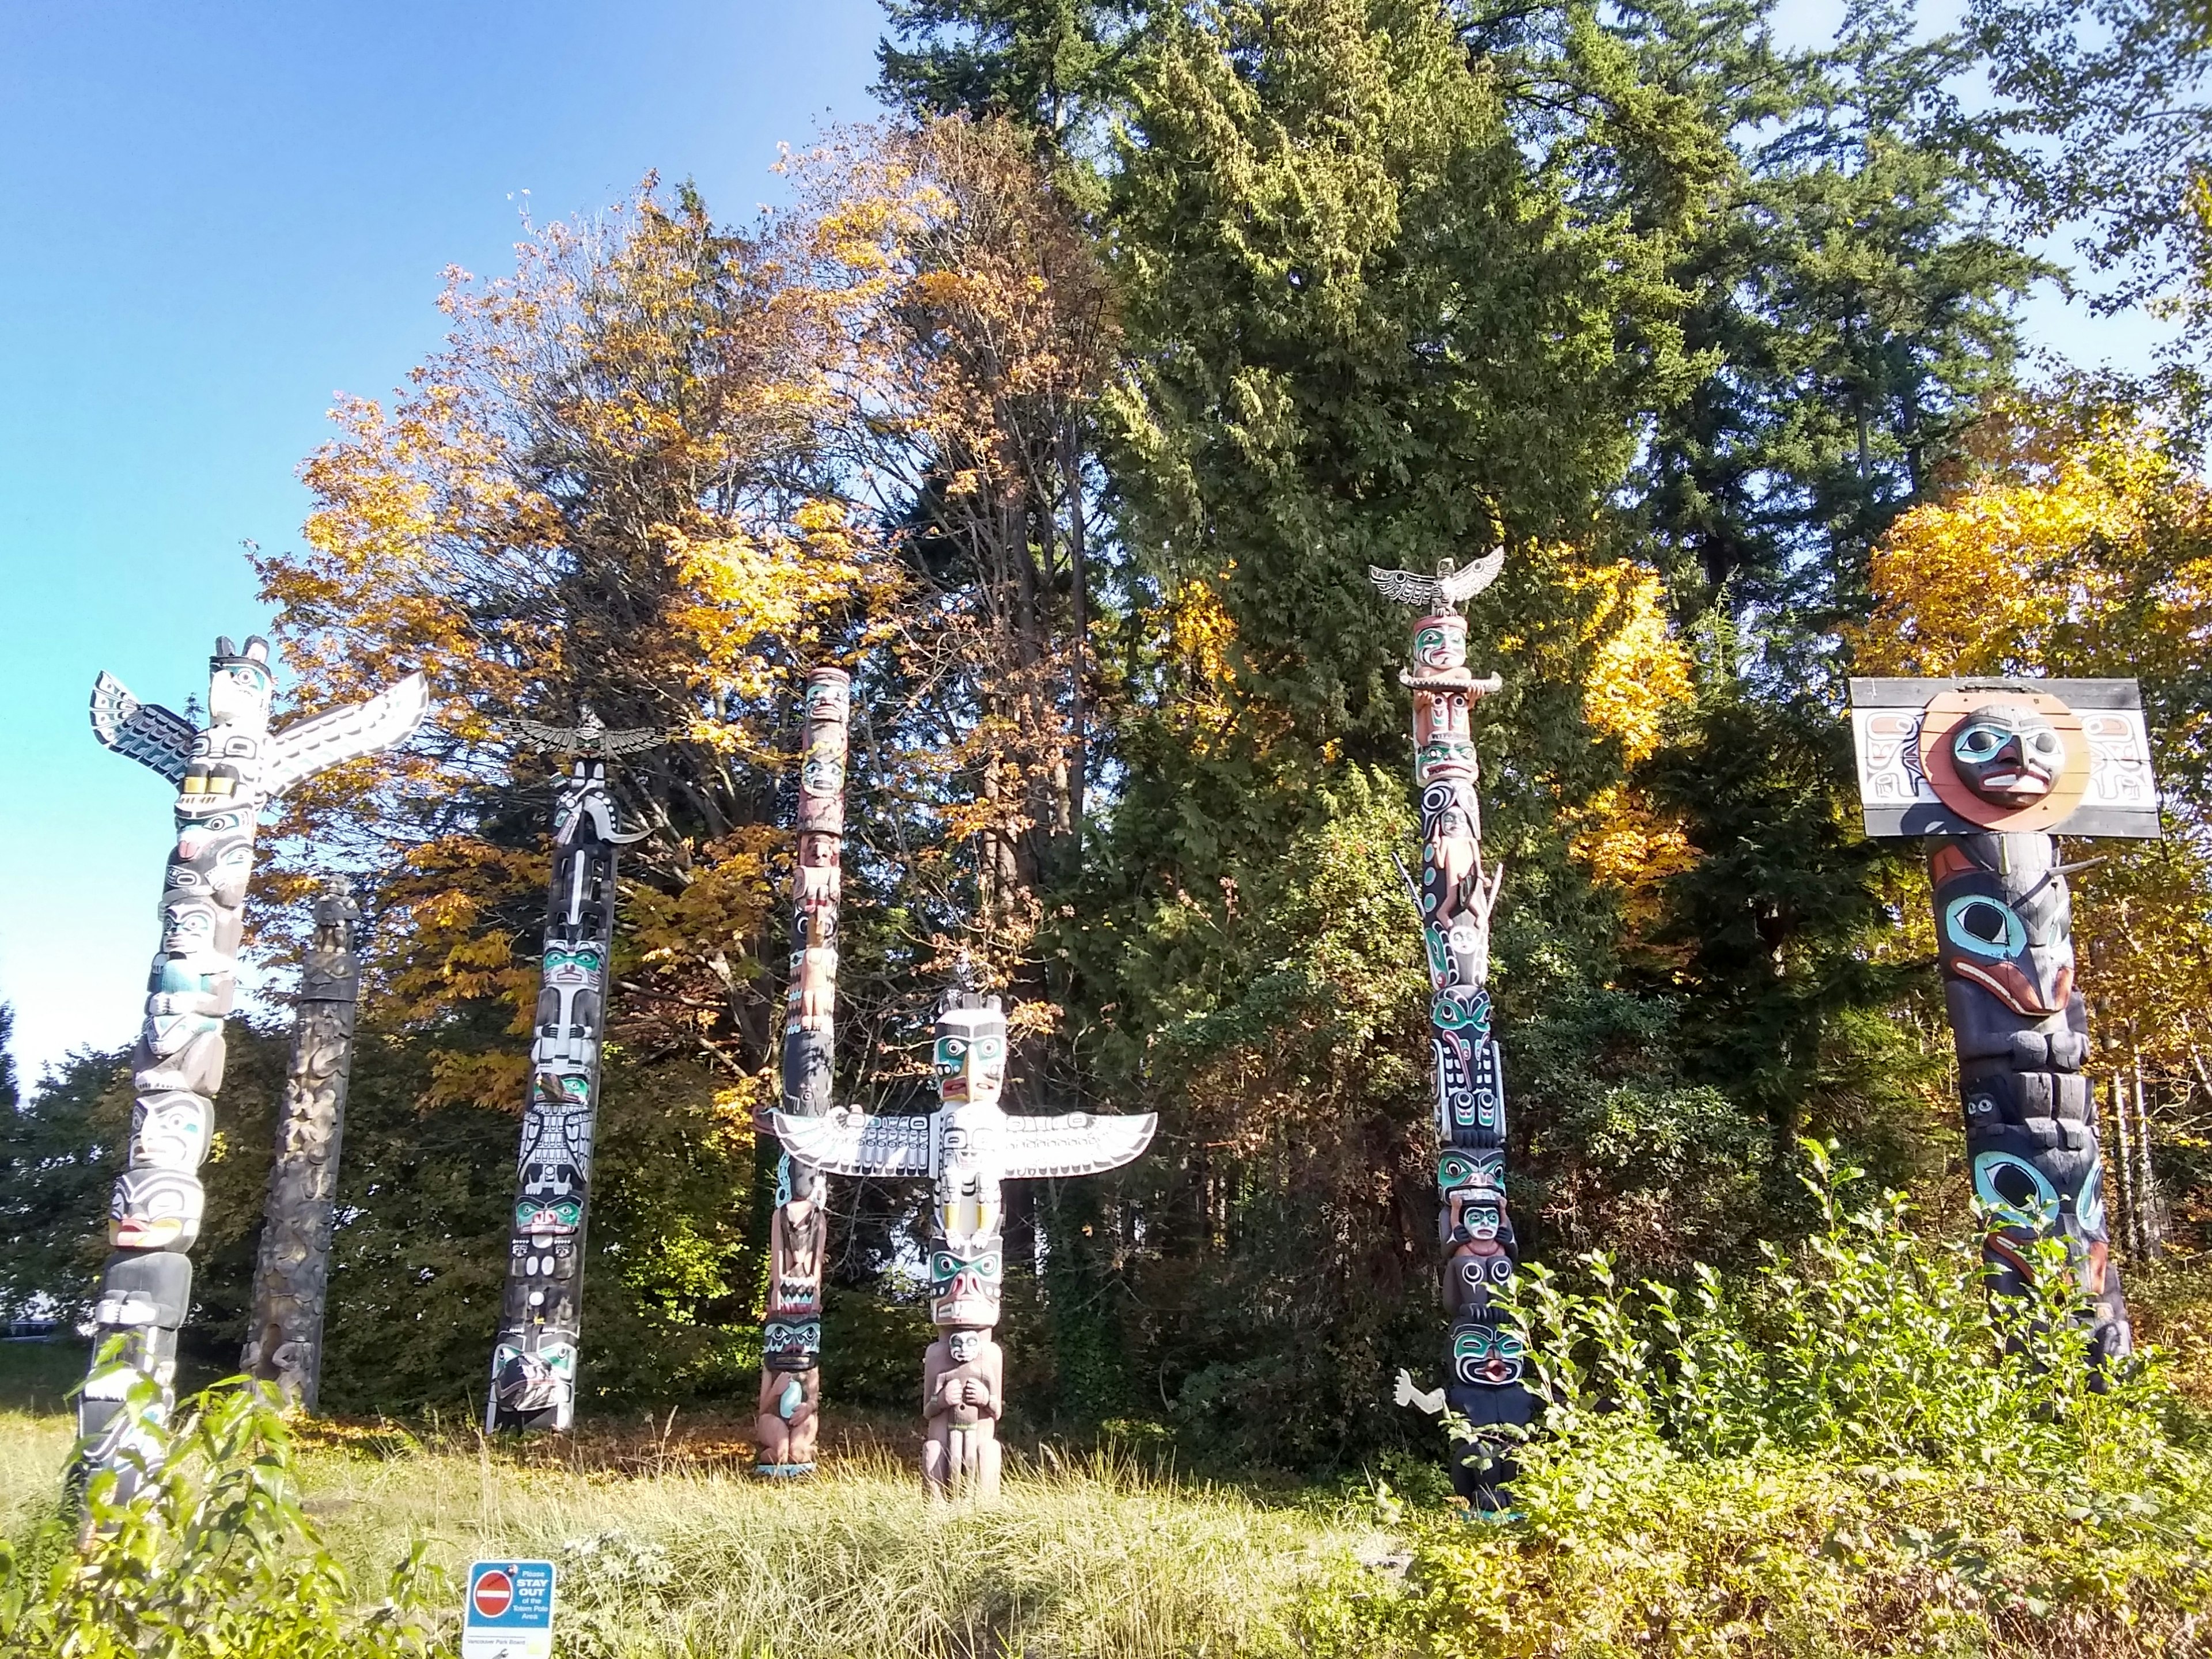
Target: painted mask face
point(559, 1215)
point(155, 1209)
point(197, 839)
point(188, 926)
point(1463, 1010)
point(2016, 1193)
point(792, 1344)
point(571, 965)
point(971, 1056)
point(238, 687)
point(1481, 1356)
point(964, 1288)
point(1440, 641)
point(2018, 947)
point(170, 1130)
point(965, 1346)
point(2008, 754)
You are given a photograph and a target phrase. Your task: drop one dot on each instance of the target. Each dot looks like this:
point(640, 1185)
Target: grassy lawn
point(668, 1545)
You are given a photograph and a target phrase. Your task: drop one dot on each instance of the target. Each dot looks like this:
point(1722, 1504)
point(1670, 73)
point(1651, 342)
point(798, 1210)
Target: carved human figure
point(963, 1397)
point(787, 1421)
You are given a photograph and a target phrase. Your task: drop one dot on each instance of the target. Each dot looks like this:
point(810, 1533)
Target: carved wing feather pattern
point(310, 745)
point(1073, 1144)
point(158, 738)
point(587, 739)
point(847, 1142)
point(1403, 586)
point(1463, 585)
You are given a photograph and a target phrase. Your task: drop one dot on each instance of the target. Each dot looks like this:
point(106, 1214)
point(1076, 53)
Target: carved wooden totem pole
point(791, 1339)
point(533, 1362)
point(1992, 770)
point(225, 774)
point(969, 1148)
point(291, 1275)
point(1454, 898)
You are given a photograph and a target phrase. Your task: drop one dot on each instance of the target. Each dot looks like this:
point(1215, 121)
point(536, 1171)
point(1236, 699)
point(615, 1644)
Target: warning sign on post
point(508, 1611)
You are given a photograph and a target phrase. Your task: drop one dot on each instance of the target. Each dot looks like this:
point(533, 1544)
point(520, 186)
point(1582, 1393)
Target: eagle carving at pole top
point(588, 738)
point(1448, 589)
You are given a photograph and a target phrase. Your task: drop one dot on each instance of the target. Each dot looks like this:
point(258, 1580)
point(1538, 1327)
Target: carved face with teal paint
point(1481, 1356)
point(964, 1288)
point(1440, 641)
point(970, 1056)
point(238, 687)
point(2008, 754)
point(558, 1215)
point(1462, 1009)
point(571, 964)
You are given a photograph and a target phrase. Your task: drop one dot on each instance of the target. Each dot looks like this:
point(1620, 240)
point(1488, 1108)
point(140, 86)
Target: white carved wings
point(307, 746)
point(1452, 589)
point(156, 737)
point(1073, 1144)
point(847, 1142)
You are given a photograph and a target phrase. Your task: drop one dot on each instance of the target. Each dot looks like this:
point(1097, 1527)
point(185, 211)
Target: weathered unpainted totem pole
point(225, 774)
point(1993, 769)
point(1454, 897)
point(968, 1147)
point(533, 1362)
point(291, 1275)
point(788, 1417)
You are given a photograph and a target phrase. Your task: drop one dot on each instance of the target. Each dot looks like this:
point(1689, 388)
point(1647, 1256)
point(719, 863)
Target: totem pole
point(791, 1339)
point(224, 775)
point(1454, 898)
point(1993, 769)
point(291, 1276)
point(533, 1362)
point(968, 1147)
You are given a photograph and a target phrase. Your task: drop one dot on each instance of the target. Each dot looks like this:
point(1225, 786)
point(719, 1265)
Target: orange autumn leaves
point(655, 474)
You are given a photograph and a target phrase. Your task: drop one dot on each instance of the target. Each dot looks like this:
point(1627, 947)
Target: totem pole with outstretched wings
point(225, 774)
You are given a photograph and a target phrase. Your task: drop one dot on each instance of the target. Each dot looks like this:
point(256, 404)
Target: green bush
point(1849, 1452)
point(212, 1558)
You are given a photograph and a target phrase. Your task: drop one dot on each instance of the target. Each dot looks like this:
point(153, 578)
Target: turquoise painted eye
point(1977, 743)
point(2015, 1191)
point(1983, 927)
point(952, 1052)
point(990, 1048)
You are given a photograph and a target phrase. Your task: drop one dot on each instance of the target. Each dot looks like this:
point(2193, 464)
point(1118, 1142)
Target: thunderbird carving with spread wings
point(1448, 589)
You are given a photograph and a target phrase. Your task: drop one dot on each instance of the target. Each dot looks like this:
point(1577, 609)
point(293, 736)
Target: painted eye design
point(1983, 927)
point(990, 1048)
point(950, 1053)
point(1977, 743)
point(943, 1265)
point(2015, 1191)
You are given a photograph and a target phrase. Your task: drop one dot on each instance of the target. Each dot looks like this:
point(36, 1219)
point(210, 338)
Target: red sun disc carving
point(1941, 717)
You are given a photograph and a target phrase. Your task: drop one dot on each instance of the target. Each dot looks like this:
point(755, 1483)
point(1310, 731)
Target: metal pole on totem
point(788, 1417)
point(534, 1357)
point(1454, 897)
point(969, 1148)
point(291, 1274)
point(1991, 770)
point(225, 774)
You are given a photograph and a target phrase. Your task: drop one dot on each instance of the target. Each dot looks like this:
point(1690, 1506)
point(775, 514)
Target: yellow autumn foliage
point(2084, 550)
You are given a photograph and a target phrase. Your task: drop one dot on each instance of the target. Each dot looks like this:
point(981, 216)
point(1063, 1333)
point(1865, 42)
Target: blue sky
point(216, 215)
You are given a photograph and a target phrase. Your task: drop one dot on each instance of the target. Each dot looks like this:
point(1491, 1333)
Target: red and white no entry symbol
point(494, 1594)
